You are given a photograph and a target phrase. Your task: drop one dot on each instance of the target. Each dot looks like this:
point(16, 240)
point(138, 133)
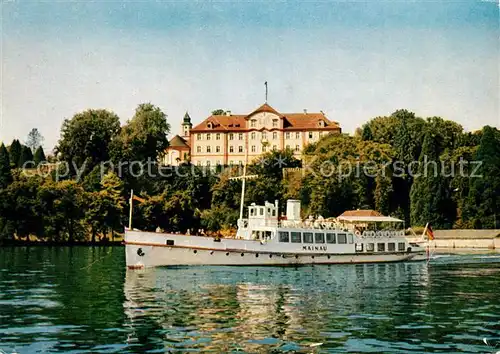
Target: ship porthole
point(270, 256)
point(211, 252)
point(195, 251)
point(312, 257)
point(256, 255)
point(227, 254)
point(242, 254)
point(328, 257)
point(282, 256)
point(140, 252)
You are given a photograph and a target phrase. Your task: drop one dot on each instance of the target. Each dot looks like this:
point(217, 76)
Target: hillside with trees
point(419, 169)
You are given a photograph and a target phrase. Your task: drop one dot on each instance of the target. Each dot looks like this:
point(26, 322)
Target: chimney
point(305, 111)
point(323, 113)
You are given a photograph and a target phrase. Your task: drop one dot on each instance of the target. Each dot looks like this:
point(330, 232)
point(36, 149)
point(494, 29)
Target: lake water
point(82, 300)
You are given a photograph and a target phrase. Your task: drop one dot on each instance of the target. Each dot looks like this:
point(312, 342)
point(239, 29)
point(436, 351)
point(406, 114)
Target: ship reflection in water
point(348, 307)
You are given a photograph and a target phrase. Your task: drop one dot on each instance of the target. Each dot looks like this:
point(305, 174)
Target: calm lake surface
point(82, 300)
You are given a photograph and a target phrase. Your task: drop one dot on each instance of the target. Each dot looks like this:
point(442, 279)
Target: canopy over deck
point(368, 219)
point(365, 216)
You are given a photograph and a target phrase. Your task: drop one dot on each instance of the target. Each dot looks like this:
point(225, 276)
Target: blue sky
point(353, 60)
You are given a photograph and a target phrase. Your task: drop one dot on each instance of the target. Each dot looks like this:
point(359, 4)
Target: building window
point(284, 236)
point(218, 163)
point(199, 163)
point(296, 237)
point(231, 136)
point(240, 136)
point(198, 136)
point(240, 162)
point(208, 163)
point(253, 148)
point(253, 123)
point(208, 136)
point(252, 136)
point(217, 149)
point(297, 135)
point(342, 239)
point(330, 238)
point(297, 148)
point(264, 135)
point(380, 247)
point(275, 123)
point(217, 136)
point(264, 148)
point(310, 135)
point(287, 135)
point(274, 147)
point(240, 148)
point(288, 147)
point(307, 237)
point(231, 149)
point(198, 149)
point(209, 149)
point(319, 238)
point(275, 135)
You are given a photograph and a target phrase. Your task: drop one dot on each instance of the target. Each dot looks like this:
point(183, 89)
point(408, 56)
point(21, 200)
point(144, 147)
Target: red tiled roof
point(178, 142)
point(223, 123)
point(308, 121)
point(265, 108)
point(292, 121)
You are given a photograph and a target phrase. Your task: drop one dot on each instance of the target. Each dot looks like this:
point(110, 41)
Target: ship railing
point(383, 234)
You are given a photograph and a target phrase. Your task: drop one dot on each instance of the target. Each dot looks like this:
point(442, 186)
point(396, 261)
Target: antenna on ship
point(244, 178)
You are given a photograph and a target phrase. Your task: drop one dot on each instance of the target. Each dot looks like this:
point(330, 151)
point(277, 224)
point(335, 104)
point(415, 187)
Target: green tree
point(34, 140)
point(218, 112)
point(26, 158)
point(483, 207)
point(5, 174)
point(144, 137)
point(431, 199)
point(39, 156)
point(15, 151)
point(86, 138)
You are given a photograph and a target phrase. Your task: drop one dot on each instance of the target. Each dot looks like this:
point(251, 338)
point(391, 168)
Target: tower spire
point(265, 83)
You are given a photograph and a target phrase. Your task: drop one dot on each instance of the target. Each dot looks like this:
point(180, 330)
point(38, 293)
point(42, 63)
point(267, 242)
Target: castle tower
point(186, 126)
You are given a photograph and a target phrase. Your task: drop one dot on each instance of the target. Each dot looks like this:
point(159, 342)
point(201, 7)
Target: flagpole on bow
point(131, 209)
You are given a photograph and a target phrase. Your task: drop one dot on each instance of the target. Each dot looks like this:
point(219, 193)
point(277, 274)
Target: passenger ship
point(265, 239)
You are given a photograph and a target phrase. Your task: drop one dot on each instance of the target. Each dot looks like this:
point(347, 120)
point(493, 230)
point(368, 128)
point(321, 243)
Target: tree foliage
point(15, 150)
point(34, 140)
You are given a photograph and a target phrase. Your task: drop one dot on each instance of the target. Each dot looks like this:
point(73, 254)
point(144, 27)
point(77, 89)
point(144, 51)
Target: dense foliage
point(422, 170)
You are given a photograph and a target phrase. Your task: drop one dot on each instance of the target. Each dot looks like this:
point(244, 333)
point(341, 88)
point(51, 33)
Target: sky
point(354, 60)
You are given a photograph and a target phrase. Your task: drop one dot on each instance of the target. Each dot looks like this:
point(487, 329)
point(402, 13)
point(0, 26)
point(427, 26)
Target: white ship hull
point(149, 249)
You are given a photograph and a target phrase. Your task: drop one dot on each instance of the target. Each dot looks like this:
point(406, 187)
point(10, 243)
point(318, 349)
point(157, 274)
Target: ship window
point(401, 246)
point(319, 238)
point(380, 247)
point(296, 237)
point(359, 247)
point(330, 238)
point(274, 212)
point(284, 236)
point(252, 211)
point(268, 211)
point(308, 237)
point(342, 239)
point(351, 238)
point(370, 247)
point(261, 211)
point(391, 247)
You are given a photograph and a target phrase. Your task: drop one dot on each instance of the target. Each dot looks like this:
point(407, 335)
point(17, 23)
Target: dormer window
point(253, 123)
point(321, 123)
point(210, 125)
point(275, 123)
